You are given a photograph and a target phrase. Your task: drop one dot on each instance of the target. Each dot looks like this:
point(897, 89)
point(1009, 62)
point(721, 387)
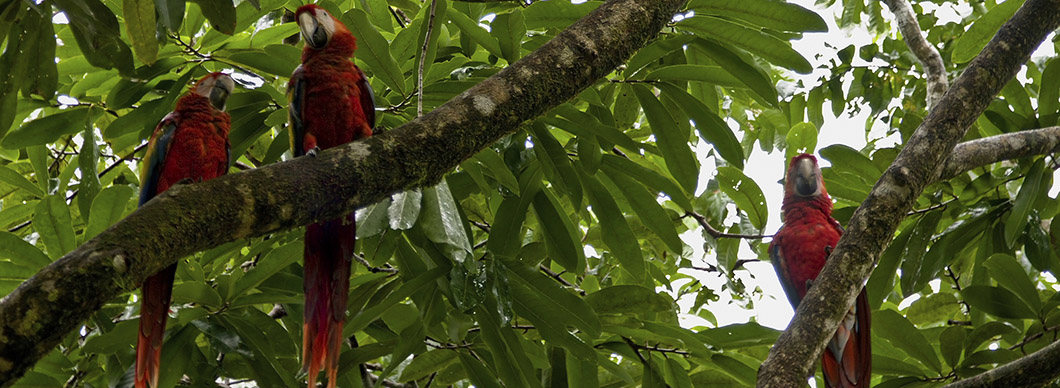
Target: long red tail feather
point(847, 361)
point(328, 254)
point(154, 309)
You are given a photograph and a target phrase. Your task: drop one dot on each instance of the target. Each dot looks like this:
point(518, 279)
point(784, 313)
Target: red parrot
point(190, 144)
point(799, 250)
point(331, 104)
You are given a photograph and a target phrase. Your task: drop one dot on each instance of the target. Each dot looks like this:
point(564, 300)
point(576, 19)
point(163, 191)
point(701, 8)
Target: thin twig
point(560, 279)
point(718, 234)
point(423, 58)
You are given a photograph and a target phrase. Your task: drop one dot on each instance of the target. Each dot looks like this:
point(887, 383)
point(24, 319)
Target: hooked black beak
point(806, 179)
point(222, 88)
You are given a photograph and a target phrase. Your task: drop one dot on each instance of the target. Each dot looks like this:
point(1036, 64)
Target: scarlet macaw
point(190, 143)
point(331, 104)
point(798, 252)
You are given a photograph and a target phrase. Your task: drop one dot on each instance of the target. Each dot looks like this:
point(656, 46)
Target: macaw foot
point(827, 250)
point(185, 181)
point(313, 152)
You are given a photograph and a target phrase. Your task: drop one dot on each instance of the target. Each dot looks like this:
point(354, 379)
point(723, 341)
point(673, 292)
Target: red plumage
point(190, 143)
point(330, 104)
point(799, 250)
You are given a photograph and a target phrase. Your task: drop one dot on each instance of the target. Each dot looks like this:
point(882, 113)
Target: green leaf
point(425, 364)
point(50, 128)
point(198, 293)
point(361, 320)
point(628, 299)
point(374, 50)
point(1010, 274)
point(767, 46)
point(763, 88)
point(556, 14)
point(986, 332)
point(140, 25)
point(21, 252)
point(550, 320)
point(745, 193)
point(648, 177)
point(573, 310)
point(646, 206)
point(220, 13)
point(276, 59)
point(87, 159)
point(474, 31)
point(845, 158)
point(802, 138)
point(171, 13)
point(477, 372)
point(617, 234)
point(509, 29)
point(107, 208)
point(1021, 206)
point(405, 209)
point(505, 237)
point(932, 309)
point(97, 33)
point(765, 13)
point(177, 355)
point(711, 127)
point(441, 219)
point(273, 262)
point(556, 156)
point(559, 231)
point(914, 273)
point(997, 301)
point(13, 178)
point(971, 42)
point(703, 73)
point(893, 327)
point(52, 221)
point(672, 141)
point(493, 162)
point(1049, 90)
point(951, 344)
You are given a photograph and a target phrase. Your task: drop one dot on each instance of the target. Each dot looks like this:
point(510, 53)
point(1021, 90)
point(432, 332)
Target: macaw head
point(216, 87)
point(318, 26)
point(804, 178)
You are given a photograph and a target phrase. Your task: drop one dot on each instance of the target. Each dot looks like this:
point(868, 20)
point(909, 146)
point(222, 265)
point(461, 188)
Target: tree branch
point(1034, 370)
point(993, 149)
point(934, 68)
point(872, 226)
point(282, 196)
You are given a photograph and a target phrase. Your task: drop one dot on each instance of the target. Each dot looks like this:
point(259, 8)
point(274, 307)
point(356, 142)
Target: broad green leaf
point(107, 208)
point(513, 365)
point(845, 158)
point(765, 13)
point(951, 344)
point(710, 74)
point(648, 177)
point(441, 219)
point(997, 301)
point(509, 29)
point(13, 178)
point(220, 13)
point(1010, 274)
point(177, 355)
point(493, 162)
point(971, 42)
point(556, 155)
point(52, 221)
point(405, 209)
point(583, 124)
point(740, 335)
point(914, 273)
point(560, 233)
point(710, 127)
point(655, 50)
point(628, 299)
point(1021, 206)
point(198, 293)
point(276, 59)
point(1049, 90)
point(410, 340)
point(646, 206)
point(556, 14)
point(985, 332)
point(87, 159)
point(21, 252)
point(171, 13)
point(478, 34)
point(933, 308)
point(96, 30)
point(767, 46)
point(273, 262)
point(763, 87)
point(572, 309)
point(893, 327)
point(477, 372)
point(671, 139)
point(360, 320)
point(374, 50)
point(425, 364)
point(745, 193)
point(140, 25)
point(617, 234)
point(549, 319)
point(506, 236)
point(1037, 247)
point(802, 138)
point(50, 128)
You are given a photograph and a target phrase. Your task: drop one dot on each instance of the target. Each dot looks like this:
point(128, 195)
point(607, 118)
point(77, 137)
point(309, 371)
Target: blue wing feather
point(367, 98)
point(156, 157)
point(776, 256)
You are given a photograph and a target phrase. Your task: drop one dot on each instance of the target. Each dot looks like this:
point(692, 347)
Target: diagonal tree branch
point(980, 152)
point(187, 219)
point(934, 68)
point(1034, 370)
point(873, 225)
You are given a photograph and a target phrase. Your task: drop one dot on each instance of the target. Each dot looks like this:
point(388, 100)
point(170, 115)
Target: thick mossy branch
point(187, 219)
point(993, 149)
point(873, 225)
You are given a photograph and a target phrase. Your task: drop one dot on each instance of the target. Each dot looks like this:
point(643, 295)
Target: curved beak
point(314, 34)
point(222, 88)
point(805, 174)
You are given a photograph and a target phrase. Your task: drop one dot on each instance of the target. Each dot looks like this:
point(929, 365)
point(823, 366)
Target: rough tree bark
point(187, 219)
point(993, 149)
point(873, 225)
point(934, 68)
point(1034, 370)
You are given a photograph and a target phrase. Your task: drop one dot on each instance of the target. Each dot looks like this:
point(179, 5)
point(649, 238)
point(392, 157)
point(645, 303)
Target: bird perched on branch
point(799, 250)
point(189, 145)
point(331, 103)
